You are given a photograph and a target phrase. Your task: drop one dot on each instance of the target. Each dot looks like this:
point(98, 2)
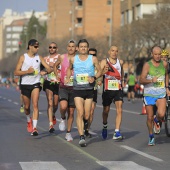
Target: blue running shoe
point(104, 133)
point(117, 135)
point(151, 142)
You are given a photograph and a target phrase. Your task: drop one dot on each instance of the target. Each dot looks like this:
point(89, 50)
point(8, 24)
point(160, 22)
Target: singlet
point(82, 70)
point(63, 73)
point(112, 78)
point(155, 89)
point(51, 76)
point(131, 81)
point(34, 62)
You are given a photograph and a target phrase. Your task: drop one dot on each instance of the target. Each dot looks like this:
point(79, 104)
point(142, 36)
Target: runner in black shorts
point(66, 95)
point(92, 51)
point(28, 67)
point(51, 85)
point(84, 78)
point(112, 90)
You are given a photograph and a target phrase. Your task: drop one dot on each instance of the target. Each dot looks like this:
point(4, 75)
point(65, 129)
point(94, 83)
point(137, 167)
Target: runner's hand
point(91, 79)
point(30, 70)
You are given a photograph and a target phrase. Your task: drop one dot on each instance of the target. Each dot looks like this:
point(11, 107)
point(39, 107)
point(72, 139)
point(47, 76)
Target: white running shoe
point(62, 125)
point(68, 137)
point(82, 142)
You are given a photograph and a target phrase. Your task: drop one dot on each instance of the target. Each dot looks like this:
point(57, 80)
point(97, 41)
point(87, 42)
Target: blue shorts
point(148, 100)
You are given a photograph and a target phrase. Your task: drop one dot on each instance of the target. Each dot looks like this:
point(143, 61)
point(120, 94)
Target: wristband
point(94, 77)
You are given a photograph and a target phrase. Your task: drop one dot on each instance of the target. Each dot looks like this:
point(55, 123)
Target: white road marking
point(9, 100)
point(121, 165)
point(142, 153)
point(127, 111)
point(4, 98)
point(40, 113)
point(41, 165)
point(107, 163)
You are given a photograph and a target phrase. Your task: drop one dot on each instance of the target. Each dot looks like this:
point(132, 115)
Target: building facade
point(72, 18)
point(138, 9)
point(11, 26)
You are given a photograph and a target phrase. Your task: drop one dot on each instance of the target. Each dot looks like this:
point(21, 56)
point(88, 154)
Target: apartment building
point(11, 26)
point(137, 9)
point(12, 34)
point(72, 18)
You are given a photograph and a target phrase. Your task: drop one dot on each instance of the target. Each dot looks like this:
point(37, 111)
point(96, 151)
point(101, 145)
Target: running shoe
point(29, 126)
point(34, 132)
point(151, 141)
point(68, 137)
point(82, 141)
point(62, 125)
point(87, 134)
point(22, 109)
point(54, 120)
point(51, 129)
point(104, 133)
point(156, 126)
point(117, 135)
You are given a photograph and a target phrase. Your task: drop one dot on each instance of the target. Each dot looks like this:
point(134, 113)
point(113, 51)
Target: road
point(21, 151)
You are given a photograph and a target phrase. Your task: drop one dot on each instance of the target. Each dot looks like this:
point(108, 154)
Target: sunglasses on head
point(36, 46)
point(52, 47)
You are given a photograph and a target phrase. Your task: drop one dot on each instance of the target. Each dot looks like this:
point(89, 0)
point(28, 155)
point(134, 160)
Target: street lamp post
point(72, 19)
point(111, 24)
point(36, 31)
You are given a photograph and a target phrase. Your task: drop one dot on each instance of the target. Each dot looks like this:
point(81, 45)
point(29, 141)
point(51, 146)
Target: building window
point(108, 20)
point(8, 36)
point(8, 43)
point(8, 50)
point(109, 2)
point(17, 29)
point(16, 36)
point(79, 22)
point(15, 43)
point(80, 3)
point(8, 29)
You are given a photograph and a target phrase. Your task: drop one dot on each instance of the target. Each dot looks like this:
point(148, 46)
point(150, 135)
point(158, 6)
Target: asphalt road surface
point(21, 151)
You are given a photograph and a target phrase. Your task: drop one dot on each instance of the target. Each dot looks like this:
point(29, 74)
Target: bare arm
point(122, 72)
point(57, 63)
point(69, 70)
point(104, 67)
point(48, 68)
point(144, 74)
point(97, 67)
point(18, 71)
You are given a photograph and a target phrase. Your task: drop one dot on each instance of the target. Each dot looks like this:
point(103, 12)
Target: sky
point(23, 5)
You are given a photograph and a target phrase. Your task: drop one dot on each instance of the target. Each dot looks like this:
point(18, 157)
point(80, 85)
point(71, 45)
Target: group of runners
point(72, 79)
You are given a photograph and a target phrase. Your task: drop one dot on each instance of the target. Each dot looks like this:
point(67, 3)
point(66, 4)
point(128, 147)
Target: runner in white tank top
point(28, 67)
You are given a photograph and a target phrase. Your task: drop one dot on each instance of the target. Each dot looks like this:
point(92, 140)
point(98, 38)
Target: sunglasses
point(36, 46)
point(93, 54)
point(50, 47)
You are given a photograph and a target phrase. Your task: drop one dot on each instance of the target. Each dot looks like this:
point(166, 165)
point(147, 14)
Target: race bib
point(111, 84)
point(34, 73)
point(70, 83)
point(51, 76)
point(82, 79)
point(160, 83)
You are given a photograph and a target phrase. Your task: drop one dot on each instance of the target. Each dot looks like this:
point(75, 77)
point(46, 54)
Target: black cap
point(32, 42)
